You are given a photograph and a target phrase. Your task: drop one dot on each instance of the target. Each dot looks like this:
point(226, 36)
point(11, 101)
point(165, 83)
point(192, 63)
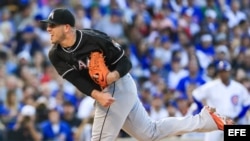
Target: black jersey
point(75, 59)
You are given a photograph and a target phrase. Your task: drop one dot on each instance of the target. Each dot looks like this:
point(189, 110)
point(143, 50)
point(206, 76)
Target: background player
point(229, 97)
point(117, 106)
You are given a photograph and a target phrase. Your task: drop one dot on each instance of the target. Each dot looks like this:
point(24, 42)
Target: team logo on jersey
point(235, 99)
point(81, 65)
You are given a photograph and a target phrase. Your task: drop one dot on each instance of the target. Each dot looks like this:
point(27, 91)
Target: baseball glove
point(98, 70)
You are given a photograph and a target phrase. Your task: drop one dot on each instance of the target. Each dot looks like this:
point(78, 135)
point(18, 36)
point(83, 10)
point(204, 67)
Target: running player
point(229, 97)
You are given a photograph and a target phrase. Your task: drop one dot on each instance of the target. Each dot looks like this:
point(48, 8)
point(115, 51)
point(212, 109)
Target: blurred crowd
point(173, 45)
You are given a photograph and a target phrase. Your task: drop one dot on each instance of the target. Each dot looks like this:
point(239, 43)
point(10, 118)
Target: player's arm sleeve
point(242, 112)
point(82, 84)
point(199, 104)
point(246, 97)
point(118, 60)
point(246, 104)
point(123, 66)
point(199, 94)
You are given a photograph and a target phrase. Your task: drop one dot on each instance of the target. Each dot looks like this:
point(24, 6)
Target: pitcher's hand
point(104, 98)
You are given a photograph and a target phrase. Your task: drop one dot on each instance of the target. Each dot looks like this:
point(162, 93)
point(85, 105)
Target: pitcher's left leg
point(139, 125)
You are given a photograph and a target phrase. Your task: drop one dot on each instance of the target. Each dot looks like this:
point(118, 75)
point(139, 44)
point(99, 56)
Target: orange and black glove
point(98, 70)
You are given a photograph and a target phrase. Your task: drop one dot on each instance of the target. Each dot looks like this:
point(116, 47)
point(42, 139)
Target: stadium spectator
point(175, 74)
point(10, 108)
point(70, 118)
point(25, 128)
point(54, 128)
point(188, 83)
point(157, 109)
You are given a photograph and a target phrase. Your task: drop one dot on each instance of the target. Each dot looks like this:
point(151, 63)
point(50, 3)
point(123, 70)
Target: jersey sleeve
point(246, 97)
point(115, 56)
point(61, 67)
point(201, 92)
point(114, 53)
point(81, 83)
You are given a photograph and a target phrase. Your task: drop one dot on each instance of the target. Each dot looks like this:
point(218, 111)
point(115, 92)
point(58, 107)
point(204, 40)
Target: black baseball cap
point(60, 16)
